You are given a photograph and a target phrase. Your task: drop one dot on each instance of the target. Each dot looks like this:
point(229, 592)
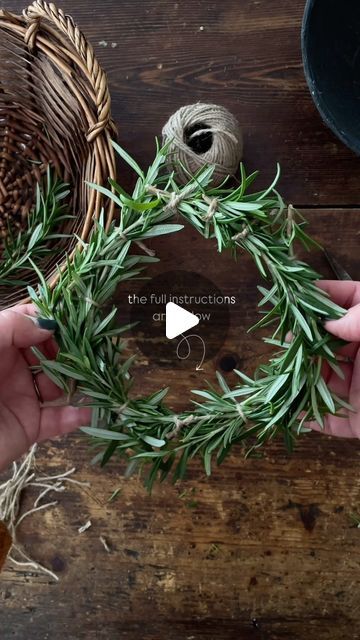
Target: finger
point(56, 421)
point(47, 389)
point(335, 426)
point(340, 386)
point(52, 348)
point(347, 327)
point(354, 394)
point(49, 349)
point(21, 331)
point(345, 293)
point(348, 426)
point(348, 351)
point(25, 309)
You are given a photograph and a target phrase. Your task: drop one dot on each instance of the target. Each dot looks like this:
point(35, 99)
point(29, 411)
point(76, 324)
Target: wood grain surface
point(264, 549)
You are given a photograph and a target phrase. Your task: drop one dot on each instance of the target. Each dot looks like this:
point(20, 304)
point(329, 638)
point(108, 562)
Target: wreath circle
point(91, 367)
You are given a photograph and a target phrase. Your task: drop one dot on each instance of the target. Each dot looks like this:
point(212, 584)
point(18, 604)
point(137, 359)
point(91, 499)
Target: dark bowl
point(331, 54)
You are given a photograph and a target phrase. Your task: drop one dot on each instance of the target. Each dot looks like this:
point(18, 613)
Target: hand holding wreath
point(23, 421)
point(347, 295)
point(286, 394)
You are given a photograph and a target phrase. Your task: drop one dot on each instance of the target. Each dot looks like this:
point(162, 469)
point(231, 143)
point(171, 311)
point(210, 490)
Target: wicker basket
point(54, 110)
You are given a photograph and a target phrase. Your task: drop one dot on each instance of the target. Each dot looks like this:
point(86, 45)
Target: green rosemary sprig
point(35, 241)
point(91, 367)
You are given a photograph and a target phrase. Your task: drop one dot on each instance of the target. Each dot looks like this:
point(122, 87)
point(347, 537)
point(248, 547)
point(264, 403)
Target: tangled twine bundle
point(24, 475)
point(200, 134)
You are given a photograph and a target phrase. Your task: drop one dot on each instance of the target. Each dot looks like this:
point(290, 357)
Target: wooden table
point(264, 549)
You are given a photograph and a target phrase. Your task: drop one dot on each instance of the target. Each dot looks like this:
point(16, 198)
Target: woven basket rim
point(45, 28)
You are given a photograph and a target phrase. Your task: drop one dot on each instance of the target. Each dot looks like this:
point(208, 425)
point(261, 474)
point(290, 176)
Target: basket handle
point(41, 9)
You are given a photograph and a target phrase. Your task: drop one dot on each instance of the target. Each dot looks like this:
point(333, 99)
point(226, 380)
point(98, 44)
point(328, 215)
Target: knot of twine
point(241, 413)
point(175, 198)
point(179, 424)
point(172, 206)
point(213, 203)
point(241, 235)
point(203, 134)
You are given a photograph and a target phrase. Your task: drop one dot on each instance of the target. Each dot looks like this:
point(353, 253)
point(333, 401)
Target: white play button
point(178, 320)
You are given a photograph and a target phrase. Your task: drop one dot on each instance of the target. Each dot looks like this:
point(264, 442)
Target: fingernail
point(46, 323)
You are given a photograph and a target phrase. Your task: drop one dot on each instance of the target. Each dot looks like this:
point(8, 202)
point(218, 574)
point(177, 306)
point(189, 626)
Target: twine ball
point(203, 134)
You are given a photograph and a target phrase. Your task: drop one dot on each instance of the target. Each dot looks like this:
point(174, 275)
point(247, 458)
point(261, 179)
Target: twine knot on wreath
point(179, 424)
point(213, 203)
point(174, 201)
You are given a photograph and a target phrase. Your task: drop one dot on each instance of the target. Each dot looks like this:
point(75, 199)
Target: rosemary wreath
point(91, 366)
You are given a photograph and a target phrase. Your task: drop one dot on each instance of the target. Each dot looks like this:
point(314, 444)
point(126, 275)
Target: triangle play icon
point(178, 320)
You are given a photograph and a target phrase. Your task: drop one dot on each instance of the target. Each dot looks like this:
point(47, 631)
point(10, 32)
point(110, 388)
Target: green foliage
point(91, 366)
point(36, 240)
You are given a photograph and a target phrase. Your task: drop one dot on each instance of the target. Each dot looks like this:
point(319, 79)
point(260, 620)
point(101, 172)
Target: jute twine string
point(175, 200)
point(24, 474)
point(241, 235)
point(241, 412)
point(189, 420)
point(179, 424)
point(213, 203)
point(215, 126)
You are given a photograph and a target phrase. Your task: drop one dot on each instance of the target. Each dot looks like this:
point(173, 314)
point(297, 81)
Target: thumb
point(347, 327)
point(22, 331)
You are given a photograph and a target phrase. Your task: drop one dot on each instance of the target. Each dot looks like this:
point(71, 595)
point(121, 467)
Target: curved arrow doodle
point(186, 340)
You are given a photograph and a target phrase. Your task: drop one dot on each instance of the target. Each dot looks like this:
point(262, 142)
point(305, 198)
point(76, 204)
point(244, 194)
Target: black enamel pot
point(331, 56)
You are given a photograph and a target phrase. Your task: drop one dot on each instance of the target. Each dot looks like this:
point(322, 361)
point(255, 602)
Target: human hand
point(23, 420)
point(347, 295)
